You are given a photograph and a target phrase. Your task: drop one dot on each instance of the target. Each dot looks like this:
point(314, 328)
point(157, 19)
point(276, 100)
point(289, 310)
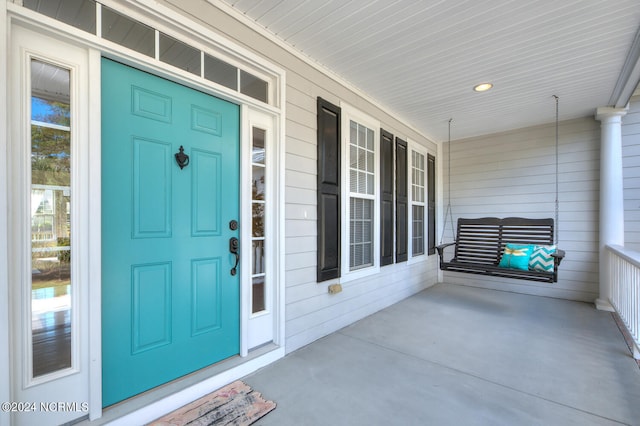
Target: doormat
point(235, 404)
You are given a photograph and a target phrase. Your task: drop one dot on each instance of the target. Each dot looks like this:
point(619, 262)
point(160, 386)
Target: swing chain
point(448, 213)
point(557, 206)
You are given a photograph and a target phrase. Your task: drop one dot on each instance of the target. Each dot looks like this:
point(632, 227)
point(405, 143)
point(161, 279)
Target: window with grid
point(258, 186)
point(361, 195)
point(43, 219)
point(417, 203)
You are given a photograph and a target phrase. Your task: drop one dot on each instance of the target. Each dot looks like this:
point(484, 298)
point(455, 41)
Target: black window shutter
point(431, 204)
point(328, 190)
point(386, 197)
point(402, 201)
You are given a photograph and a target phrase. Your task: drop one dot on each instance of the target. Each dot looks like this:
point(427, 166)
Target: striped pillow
point(541, 259)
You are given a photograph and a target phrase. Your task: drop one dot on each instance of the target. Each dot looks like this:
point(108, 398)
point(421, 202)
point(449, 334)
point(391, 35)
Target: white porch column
point(611, 194)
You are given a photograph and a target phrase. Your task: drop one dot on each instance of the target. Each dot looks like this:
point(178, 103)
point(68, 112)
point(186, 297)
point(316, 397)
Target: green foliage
point(65, 255)
point(50, 156)
point(50, 146)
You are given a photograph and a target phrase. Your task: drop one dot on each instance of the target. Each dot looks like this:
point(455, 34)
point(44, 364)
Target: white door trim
point(27, 45)
point(5, 365)
point(95, 241)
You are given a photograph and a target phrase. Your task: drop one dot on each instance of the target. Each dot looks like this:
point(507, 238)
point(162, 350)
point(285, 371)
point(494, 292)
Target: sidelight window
point(51, 280)
point(258, 185)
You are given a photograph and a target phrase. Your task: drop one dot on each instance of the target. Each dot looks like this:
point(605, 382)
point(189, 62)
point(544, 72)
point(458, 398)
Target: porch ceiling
point(421, 59)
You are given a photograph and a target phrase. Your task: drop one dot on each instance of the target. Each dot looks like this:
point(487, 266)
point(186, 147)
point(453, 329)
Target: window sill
point(417, 259)
point(348, 276)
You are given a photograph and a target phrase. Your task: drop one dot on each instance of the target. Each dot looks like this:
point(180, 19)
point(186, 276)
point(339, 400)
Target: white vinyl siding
point(513, 174)
point(631, 173)
point(311, 311)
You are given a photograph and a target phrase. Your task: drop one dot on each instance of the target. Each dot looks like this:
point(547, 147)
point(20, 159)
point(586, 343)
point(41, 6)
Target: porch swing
point(511, 247)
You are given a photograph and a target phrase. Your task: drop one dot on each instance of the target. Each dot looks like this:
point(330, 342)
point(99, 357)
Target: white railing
point(624, 277)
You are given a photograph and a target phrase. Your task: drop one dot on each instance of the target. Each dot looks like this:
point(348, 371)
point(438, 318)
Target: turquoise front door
point(170, 300)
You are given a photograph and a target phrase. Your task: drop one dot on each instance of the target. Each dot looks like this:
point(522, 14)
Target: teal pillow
point(516, 256)
point(541, 259)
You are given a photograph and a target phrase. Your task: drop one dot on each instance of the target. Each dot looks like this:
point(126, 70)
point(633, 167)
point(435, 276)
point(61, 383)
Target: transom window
point(134, 35)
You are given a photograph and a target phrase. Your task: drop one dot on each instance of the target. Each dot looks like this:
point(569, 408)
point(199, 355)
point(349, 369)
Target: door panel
point(151, 188)
point(170, 304)
point(150, 306)
point(206, 179)
point(206, 298)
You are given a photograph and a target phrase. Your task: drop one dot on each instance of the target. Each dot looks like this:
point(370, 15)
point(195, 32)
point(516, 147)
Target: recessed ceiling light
point(483, 87)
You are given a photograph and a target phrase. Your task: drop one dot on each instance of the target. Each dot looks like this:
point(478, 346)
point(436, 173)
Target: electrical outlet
point(335, 288)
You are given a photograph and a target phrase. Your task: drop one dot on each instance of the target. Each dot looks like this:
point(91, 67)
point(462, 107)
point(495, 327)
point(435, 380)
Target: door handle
point(234, 249)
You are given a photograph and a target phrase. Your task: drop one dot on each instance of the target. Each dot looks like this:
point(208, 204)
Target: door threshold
point(154, 403)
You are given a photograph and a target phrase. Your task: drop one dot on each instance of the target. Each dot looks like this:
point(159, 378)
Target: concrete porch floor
point(454, 355)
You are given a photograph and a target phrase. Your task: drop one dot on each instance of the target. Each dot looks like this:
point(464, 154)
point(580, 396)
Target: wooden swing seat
point(480, 243)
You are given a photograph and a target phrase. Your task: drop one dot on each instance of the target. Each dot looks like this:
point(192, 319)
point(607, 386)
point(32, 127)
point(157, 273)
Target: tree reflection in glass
point(50, 218)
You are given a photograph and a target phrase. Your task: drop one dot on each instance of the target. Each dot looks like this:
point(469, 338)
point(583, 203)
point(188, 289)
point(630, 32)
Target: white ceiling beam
point(629, 76)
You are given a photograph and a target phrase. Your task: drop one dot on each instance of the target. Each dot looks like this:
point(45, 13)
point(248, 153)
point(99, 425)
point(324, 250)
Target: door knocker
point(181, 158)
